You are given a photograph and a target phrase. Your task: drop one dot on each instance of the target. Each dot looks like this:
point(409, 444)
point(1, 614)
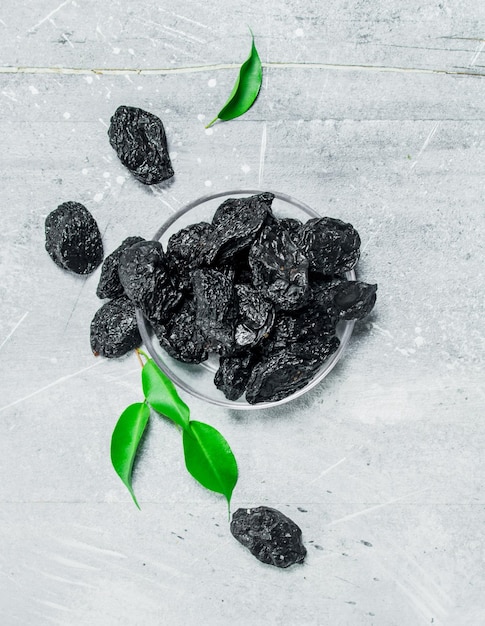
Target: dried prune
point(270, 536)
point(181, 337)
point(331, 245)
point(184, 248)
point(255, 316)
point(279, 376)
point(233, 375)
point(114, 330)
point(280, 269)
point(141, 144)
point(354, 299)
point(72, 238)
point(215, 310)
point(236, 223)
point(148, 280)
point(109, 285)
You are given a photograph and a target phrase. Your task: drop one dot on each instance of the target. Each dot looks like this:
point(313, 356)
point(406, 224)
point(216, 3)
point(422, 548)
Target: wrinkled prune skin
point(236, 223)
point(255, 316)
point(354, 299)
point(114, 330)
point(148, 280)
point(331, 245)
point(215, 309)
point(181, 337)
point(233, 375)
point(280, 375)
point(141, 144)
point(109, 285)
point(279, 268)
point(184, 248)
point(270, 536)
point(72, 238)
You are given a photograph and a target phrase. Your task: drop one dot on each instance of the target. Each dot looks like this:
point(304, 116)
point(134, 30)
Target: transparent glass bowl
point(198, 380)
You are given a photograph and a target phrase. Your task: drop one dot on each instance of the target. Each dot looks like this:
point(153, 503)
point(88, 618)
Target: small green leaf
point(125, 440)
point(246, 88)
point(161, 395)
point(209, 458)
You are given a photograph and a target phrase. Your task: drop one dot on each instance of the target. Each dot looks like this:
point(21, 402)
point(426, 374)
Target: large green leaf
point(161, 395)
point(246, 88)
point(209, 458)
point(125, 440)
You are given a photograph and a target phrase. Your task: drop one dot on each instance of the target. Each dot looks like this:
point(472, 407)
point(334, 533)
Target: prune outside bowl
point(198, 380)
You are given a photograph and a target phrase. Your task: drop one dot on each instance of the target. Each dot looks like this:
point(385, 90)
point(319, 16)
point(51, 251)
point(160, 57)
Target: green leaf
point(125, 439)
point(209, 458)
point(246, 88)
point(161, 395)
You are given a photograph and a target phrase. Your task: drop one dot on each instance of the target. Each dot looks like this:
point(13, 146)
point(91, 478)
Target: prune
point(255, 316)
point(109, 285)
point(114, 330)
point(280, 269)
point(181, 337)
point(141, 144)
point(184, 248)
point(236, 223)
point(280, 375)
point(354, 299)
point(233, 375)
point(270, 536)
point(215, 310)
point(72, 238)
point(148, 280)
point(332, 246)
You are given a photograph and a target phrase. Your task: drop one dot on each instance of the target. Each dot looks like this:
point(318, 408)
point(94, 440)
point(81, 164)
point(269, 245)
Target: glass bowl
point(198, 380)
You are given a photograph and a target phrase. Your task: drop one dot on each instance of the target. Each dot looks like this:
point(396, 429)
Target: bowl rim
point(144, 325)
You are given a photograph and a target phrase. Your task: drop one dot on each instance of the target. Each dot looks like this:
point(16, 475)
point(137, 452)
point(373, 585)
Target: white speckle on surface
point(33, 90)
point(199, 160)
point(208, 183)
point(88, 79)
point(173, 155)
point(131, 51)
point(84, 171)
point(419, 341)
point(98, 197)
point(106, 175)
point(212, 82)
point(208, 131)
point(417, 330)
point(201, 117)
point(299, 32)
point(120, 180)
point(139, 88)
point(245, 168)
point(116, 50)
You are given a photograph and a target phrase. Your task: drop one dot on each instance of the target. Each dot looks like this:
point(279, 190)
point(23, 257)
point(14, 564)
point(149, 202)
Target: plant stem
point(210, 123)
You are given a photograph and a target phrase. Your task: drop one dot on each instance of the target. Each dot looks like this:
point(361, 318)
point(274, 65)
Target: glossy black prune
point(280, 375)
point(233, 375)
point(269, 535)
point(114, 330)
point(255, 316)
point(184, 248)
point(181, 337)
point(141, 144)
point(72, 238)
point(354, 299)
point(236, 224)
point(148, 280)
point(215, 308)
point(279, 268)
point(331, 245)
point(109, 285)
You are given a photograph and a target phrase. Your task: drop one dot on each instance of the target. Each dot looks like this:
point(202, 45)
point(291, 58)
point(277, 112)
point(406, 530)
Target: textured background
point(370, 111)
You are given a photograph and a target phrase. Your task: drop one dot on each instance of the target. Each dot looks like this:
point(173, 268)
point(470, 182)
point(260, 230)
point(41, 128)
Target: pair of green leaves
point(208, 456)
point(246, 88)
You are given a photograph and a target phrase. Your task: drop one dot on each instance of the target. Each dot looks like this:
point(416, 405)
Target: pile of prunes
point(265, 294)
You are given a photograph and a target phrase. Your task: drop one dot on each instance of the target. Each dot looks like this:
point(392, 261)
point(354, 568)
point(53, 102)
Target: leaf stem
point(210, 123)
point(139, 351)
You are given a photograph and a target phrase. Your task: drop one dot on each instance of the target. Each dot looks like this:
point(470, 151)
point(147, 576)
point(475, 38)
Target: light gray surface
point(387, 451)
